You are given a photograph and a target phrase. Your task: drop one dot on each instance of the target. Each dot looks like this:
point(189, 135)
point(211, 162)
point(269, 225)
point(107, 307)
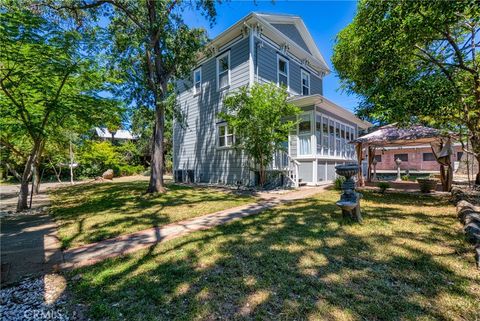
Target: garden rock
point(470, 196)
point(477, 256)
point(472, 232)
point(108, 174)
point(469, 216)
point(472, 217)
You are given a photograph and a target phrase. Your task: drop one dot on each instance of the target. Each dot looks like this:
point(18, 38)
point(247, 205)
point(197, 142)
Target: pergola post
point(371, 156)
point(359, 151)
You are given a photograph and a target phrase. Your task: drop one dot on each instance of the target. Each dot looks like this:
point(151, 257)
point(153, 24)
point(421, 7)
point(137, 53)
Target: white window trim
point(229, 70)
point(312, 133)
point(304, 72)
point(195, 92)
point(227, 133)
point(335, 156)
point(278, 71)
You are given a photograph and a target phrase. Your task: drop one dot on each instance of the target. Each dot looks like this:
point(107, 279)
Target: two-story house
point(257, 49)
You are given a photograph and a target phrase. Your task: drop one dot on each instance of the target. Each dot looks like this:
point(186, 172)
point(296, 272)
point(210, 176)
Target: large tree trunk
point(36, 179)
point(22, 203)
point(475, 143)
point(477, 177)
point(156, 184)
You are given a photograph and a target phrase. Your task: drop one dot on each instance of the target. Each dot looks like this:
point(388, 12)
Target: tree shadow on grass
point(110, 209)
point(300, 261)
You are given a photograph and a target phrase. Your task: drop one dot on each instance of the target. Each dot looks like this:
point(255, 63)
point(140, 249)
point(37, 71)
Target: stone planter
point(427, 185)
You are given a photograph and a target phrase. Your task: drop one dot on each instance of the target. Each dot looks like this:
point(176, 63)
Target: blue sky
point(324, 19)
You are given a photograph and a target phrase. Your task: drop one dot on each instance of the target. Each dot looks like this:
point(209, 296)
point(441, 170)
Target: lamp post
point(398, 161)
point(374, 163)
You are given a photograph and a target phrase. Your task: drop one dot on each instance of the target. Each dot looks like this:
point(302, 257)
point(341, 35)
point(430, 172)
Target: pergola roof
point(394, 135)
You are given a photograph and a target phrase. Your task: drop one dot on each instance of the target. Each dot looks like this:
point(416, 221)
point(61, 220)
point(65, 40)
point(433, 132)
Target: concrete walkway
point(96, 252)
point(29, 243)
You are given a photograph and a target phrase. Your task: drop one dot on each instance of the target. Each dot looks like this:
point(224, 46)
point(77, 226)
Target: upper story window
point(282, 71)
point(197, 80)
point(223, 70)
point(225, 136)
point(305, 83)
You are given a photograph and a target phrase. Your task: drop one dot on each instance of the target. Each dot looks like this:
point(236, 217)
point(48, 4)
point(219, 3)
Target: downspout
point(251, 67)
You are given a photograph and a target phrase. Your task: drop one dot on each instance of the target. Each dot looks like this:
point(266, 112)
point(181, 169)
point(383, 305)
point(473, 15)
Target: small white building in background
point(121, 135)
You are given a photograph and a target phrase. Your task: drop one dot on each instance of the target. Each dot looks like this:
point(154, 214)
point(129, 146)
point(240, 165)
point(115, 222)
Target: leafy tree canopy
point(49, 80)
point(261, 119)
point(415, 61)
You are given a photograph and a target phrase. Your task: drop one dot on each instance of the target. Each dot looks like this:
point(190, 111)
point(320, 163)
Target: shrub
point(383, 186)
point(405, 177)
point(337, 183)
point(96, 157)
point(127, 170)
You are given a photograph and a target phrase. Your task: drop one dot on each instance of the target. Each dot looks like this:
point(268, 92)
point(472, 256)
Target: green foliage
point(149, 45)
point(50, 81)
point(261, 119)
point(95, 157)
point(405, 178)
point(337, 183)
point(414, 62)
point(383, 186)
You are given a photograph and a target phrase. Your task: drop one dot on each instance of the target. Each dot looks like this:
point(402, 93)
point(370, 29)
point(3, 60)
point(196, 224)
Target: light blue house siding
point(266, 68)
point(254, 58)
point(292, 33)
point(195, 141)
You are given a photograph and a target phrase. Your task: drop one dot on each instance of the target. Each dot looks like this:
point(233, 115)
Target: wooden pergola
point(392, 135)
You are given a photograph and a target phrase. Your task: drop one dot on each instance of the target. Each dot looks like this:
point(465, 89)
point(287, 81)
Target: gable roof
point(270, 27)
point(279, 21)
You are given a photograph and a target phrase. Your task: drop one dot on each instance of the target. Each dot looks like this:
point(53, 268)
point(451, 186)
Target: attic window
point(282, 71)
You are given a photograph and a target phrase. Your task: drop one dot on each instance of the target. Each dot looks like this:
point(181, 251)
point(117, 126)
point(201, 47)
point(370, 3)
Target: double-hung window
point(223, 70)
point(197, 81)
point(282, 71)
point(225, 136)
point(305, 83)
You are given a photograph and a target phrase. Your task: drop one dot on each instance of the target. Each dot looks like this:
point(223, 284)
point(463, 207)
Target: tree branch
point(435, 61)
point(12, 148)
point(458, 52)
point(13, 171)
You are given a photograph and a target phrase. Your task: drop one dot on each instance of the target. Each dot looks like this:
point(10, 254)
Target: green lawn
point(92, 212)
point(407, 261)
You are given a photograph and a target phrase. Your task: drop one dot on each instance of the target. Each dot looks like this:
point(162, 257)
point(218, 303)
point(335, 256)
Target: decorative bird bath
point(350, 199)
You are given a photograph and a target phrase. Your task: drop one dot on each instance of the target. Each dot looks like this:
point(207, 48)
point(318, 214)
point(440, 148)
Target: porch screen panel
point(318, 133)
point(325, 145)
point(331, 128)
point(338, 141)
point(304, 135)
